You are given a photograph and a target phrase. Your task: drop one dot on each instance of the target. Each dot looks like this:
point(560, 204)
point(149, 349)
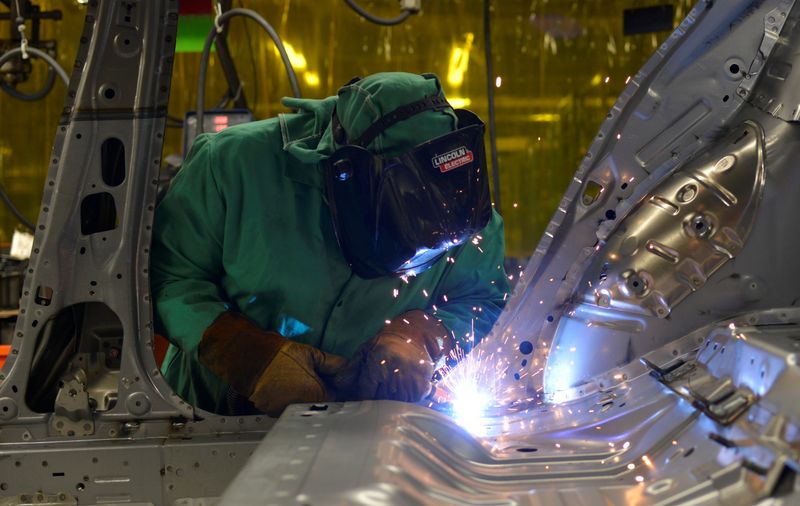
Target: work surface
point(661, 436)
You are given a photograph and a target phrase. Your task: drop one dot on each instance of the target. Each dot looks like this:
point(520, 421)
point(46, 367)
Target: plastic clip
point(23, 41)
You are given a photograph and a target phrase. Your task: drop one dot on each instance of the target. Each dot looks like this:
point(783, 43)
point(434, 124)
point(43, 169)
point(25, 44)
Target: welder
point(339, 252)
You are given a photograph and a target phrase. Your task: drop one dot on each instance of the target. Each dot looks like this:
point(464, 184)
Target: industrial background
point(650, 351)
point(558, 67)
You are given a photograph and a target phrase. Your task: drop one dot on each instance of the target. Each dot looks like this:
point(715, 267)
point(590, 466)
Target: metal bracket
point(412, 6)
point(773, 24)
point(72, 415)
point(718, 398)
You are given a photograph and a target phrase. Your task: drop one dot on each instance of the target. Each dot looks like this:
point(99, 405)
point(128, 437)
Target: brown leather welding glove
point(269, 369)
point(398, 362)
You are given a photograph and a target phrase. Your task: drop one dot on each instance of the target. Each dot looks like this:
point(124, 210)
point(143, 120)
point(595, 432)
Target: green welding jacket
point(245, 227)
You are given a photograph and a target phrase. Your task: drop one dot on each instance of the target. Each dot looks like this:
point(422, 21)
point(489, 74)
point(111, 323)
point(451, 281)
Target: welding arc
point(212, 35)
point(54, 68)
point(374, 19)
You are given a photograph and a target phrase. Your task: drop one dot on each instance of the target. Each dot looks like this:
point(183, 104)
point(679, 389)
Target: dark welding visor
point(399, 215)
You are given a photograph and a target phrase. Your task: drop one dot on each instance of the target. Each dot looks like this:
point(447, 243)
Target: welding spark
point(473, 385)
point(469, 408)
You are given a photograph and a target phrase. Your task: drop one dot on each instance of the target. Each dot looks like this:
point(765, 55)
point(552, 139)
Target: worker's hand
point(269, 369)
point(398, 362)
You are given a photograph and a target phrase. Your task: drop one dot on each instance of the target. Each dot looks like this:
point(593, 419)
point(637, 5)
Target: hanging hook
point(23, 41)
point(218, 11)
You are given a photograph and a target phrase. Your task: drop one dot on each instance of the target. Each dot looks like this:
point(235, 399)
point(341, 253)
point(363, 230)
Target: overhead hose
point(46, 88)
point(212, 35)
point(57, 69)
point(11, 207)
point(374, 19)
point(487, 35)
point(54, 68)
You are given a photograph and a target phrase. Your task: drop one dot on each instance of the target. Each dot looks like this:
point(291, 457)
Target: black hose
point(487, 35)
point(49, 82)
point(201, 84)
point(39, 54)
point(374, 19)
point(11, 207)
point(64, 77)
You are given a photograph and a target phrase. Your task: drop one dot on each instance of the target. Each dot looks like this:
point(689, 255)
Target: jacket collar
point(306, 138)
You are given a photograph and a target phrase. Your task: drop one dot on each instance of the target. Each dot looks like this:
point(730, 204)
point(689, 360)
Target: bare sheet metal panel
point(660, 436)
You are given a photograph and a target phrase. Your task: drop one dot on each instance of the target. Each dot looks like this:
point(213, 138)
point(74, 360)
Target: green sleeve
point(186, 264)
point(474, 285)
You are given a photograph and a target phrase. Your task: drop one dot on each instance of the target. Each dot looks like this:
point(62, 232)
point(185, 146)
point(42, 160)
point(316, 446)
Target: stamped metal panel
point(689, 226)
point(646, 439)
point(664, 252)
point(114, 432)
point(661, 231)
point(127, 471)
point(93, 234)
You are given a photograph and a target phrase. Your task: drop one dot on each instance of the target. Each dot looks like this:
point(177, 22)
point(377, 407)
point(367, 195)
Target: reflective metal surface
point(589, 301)
point(684, 231)
point(634, 443)
point(73, 431)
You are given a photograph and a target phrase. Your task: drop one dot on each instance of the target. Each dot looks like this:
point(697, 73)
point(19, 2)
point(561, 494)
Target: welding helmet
point(398, 215)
